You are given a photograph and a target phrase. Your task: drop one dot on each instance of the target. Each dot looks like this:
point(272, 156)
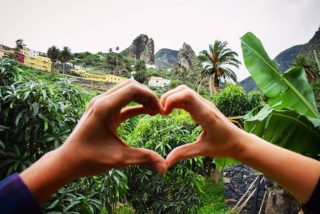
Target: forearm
point(47, 175)
point(296, 173)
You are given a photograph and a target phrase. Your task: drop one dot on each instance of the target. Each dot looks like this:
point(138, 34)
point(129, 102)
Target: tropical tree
point(19, 44)
point(217, 64)
point(110, 50)
point(309, 67)
point(117, 48)
point(53, 53)
point(65, 56)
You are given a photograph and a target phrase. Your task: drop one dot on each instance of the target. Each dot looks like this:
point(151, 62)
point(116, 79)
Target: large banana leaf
point(285, 128)
point(290, 90)
point(296, 77)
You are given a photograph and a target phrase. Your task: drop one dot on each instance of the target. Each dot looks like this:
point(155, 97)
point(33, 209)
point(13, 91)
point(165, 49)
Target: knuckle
point(134, 87)
point(183, 87)
point(98, 107)
point(130, 81)
point(189, 95)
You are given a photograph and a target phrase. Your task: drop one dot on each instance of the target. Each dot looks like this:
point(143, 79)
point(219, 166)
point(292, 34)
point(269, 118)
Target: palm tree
point(217, 63)
point(19, 44)
point(309, 67)
point(53, 53)
point(117, 48)
point(65, 56)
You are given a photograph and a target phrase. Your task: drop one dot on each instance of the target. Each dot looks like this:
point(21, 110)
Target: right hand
point(219, 137)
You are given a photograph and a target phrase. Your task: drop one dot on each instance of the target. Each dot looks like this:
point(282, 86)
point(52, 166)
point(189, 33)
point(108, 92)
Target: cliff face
point(285, 58)
point(312, 45)
point(142, 48)
point(186, 60)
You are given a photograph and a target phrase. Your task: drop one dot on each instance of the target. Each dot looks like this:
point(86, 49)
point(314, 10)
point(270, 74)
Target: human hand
point(219, 137)
point(94, 145)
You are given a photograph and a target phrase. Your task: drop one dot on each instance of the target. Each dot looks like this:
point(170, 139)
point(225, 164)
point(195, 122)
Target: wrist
point(241, 145)
point(47, 175)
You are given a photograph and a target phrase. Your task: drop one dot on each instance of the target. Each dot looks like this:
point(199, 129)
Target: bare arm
point(296, 173)
point(94, 146)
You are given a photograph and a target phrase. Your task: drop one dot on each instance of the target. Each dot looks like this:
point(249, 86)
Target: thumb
point(184, 152)
point(145, 157)
point(187, 151)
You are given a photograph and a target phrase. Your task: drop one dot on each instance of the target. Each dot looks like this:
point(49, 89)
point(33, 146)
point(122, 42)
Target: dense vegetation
point(39, 110)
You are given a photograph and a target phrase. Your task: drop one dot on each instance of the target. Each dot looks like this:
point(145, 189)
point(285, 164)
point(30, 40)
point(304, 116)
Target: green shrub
point(178, 191)
point(37, 112)
point(233, 101)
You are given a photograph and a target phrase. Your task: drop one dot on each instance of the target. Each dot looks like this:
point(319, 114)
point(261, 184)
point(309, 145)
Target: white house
point(150, 66)
point(158, 82)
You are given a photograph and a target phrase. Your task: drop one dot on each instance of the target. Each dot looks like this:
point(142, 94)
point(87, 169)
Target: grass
point(213, 199)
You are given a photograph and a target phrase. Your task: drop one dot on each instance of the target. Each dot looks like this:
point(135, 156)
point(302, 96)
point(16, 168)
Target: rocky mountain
point(186, 60)
point(313, 44)
point(142, 48)
point(165, 58)
point(285, 58)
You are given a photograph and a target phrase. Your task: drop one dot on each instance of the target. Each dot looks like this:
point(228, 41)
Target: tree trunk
point(199, 85)
point(213, 89)
point(280, 201)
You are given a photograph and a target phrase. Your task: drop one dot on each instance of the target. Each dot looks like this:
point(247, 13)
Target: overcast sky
point(97, 25)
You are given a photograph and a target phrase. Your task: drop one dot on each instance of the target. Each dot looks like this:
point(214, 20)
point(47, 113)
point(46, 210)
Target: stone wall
point(237, 180)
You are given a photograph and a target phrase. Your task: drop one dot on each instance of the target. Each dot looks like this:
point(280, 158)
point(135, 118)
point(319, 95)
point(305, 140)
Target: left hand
point(94, 145)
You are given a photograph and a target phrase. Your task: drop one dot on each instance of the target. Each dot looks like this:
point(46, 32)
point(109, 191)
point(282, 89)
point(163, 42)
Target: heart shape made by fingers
point(95, 146)
point(214, 141)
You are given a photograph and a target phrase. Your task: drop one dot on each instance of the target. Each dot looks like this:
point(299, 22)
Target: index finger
point(134, 92)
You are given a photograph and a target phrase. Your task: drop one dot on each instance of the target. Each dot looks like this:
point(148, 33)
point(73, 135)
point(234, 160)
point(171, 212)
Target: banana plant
point(290, 118)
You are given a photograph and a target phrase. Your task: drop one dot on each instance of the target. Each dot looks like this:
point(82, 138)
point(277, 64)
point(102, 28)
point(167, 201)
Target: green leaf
point(2, 146)
point(290, 90)
point(2, 128)
point(299, 95)
point(35, 107)
point(261, 67)
point(26, 95)
point(224, 162)
point(18, 118)
point(46, 124)
point(285, 128)
point(53, 204)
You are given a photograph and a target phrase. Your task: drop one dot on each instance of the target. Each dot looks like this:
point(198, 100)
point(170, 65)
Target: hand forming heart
point(94, 146)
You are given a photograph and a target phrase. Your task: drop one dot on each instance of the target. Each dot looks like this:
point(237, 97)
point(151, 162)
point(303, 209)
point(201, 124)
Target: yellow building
point(105, 78)
point(38, 62)
point(33, 59)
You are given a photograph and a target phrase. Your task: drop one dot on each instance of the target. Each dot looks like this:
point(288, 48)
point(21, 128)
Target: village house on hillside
point(158, 82)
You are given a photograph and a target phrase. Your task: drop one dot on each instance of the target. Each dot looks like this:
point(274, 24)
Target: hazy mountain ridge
point(165, 58)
